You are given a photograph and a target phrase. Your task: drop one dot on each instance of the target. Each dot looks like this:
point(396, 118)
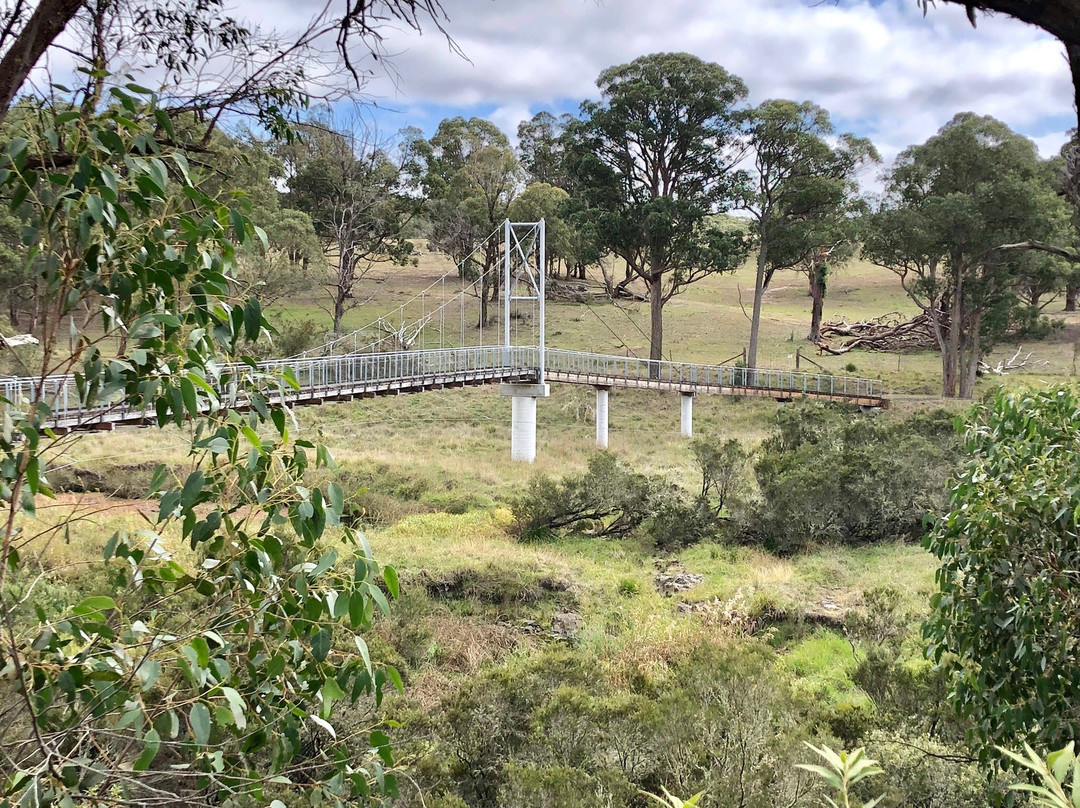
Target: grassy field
point(707, 323)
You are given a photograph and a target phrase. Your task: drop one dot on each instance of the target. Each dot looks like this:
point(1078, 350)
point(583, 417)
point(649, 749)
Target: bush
point(723, 469)
point(610, 499)
point(1008, 593)
point(829, 475)
point(678, 525)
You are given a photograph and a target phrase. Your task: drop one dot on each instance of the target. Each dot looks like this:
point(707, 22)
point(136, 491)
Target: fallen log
point(888, 333)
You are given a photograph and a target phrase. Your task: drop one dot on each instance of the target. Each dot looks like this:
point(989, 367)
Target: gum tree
point(951, 204)
point(1004, 619)
point(802, 190)
point(351, 189)
point(654, 161)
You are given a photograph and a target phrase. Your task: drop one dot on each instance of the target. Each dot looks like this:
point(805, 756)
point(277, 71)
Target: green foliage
point(470, 176)
point(827, 476)
point(1053, 773)
point(552, 728)
point(723, 470)
point(842, 771)
point(1004, 618)
point(652, 162)
point(205, 679)
point(951, 203)
point(803, 192)
point(543, 148)
point(610, 499)
point(677, 524)
point(924, 770)
point(351, 191)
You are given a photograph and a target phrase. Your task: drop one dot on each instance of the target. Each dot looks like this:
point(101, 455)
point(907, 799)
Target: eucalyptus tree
point(542, 148)
point(539, 201)
point(267, 75)
point(167, 679)
point(951, 205)
point(470, 176)
point(803, 187)
point(352, 190)
point(1006, 613)
point(190, 679)
point(654, 160)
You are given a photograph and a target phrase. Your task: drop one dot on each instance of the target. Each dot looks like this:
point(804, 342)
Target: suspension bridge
point(393, 355)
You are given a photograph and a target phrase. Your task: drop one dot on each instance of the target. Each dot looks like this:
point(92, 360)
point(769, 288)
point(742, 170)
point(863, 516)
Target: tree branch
point(1061, 252)
point(45, 25)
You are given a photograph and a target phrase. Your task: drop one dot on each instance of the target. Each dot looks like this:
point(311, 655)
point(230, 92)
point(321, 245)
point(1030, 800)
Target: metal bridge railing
point(682, 373)
point(317, 378)
point(326, 377)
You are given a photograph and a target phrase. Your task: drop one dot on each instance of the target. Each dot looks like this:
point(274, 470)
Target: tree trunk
point(339, 308)
point(656, 314)
point(44, 26)
point(759, 294)
point(1071, 291)
point(817, 293)
point(972, 356)
point(483, 317)
point(950, 359)
point(342, 287)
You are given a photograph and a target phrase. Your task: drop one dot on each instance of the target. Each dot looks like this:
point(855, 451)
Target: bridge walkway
point(337, 378)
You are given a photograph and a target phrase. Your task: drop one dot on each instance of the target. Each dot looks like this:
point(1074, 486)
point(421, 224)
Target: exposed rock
point(676, 580)
point(566, 625)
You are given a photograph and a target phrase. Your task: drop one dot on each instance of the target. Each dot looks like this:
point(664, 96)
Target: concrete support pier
point(602, 417)
point(687, 420)
point(523, 418)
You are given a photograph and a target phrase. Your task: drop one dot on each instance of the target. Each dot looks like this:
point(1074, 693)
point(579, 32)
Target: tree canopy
point(655, 159)
point(803, 192)
point(1004, 624)
point(950, 204)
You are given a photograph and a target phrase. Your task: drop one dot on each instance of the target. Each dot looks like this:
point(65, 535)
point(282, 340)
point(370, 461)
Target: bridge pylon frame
point(524, 276)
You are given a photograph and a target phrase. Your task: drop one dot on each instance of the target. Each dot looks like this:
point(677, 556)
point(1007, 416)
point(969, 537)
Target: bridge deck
point(339, 378)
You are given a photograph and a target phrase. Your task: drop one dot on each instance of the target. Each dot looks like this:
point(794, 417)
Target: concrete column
point(601, 417)
point(523, 418)
point(687, 421)
point(523, 429)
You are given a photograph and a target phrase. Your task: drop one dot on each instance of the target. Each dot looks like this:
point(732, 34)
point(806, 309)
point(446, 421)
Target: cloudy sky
point(879, 66)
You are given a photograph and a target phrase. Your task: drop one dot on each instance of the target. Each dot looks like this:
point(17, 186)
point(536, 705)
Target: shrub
point(609, 499)
point(831, 475)
point(677, 525)
point(723, 469)
point(1008, 593)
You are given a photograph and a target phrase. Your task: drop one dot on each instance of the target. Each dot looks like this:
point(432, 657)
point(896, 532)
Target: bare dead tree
point(1014, 362)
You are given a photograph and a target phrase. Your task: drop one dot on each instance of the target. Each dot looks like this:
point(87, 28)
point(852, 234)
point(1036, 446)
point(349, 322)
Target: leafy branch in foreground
point(1053, 774)
point(670, 801)
point(843, 770)
point(205, 665)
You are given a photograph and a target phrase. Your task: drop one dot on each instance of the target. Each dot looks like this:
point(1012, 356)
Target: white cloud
point(881, 69)
point(884, 70)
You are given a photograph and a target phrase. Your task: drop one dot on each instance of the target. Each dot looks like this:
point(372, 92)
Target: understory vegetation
point(824, 475)
point(587, 638)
